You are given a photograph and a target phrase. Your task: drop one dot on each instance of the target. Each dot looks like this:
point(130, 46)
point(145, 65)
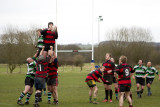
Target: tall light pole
point(99, 20)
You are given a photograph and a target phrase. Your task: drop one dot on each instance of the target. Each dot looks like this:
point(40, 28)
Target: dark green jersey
point(151, 72)
point(40, 41)
point(140, 71)
point(31, 69)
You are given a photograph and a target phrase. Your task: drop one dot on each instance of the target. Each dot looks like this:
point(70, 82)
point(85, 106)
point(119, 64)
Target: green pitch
point(73, 91)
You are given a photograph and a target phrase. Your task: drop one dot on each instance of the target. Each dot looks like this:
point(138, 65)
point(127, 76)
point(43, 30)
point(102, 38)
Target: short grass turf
point(73, 91)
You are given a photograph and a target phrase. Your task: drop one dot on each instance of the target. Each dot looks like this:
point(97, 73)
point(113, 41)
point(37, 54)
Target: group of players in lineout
point(120, 75)
point(43, 66)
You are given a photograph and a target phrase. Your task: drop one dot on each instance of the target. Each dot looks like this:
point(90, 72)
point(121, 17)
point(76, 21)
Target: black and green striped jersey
point(40, 41)
point(151, 72)
point(140, 71)
point(31, 69)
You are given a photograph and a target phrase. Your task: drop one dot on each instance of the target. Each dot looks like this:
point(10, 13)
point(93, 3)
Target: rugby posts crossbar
point(74, 50)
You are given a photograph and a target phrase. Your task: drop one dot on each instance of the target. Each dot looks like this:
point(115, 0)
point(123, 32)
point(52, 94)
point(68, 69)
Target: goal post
point(92, 60)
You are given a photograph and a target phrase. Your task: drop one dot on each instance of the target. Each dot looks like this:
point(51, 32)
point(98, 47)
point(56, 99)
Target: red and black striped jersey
point(53, 67)
point(124, 74)
point(95, 75)
point(42, 67)
point(109, 65)
point(49, 36)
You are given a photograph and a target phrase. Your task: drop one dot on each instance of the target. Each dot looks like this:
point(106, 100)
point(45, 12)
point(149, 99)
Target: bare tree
point(132, 42)
point(78, 60)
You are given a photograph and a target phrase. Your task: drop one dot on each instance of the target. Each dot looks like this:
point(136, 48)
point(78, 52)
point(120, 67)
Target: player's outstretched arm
point(41, 53)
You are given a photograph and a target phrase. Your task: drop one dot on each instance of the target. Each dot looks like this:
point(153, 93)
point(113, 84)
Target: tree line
point(135, 43)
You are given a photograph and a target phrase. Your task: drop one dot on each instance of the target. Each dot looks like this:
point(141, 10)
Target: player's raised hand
point(43, 47)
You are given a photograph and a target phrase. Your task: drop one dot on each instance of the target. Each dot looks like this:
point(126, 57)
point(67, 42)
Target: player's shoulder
point(153, 68)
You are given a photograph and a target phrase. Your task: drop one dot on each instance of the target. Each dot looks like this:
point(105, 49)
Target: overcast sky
point(74, 17)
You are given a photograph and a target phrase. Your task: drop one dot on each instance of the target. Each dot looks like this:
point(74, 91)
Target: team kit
point(43, 66)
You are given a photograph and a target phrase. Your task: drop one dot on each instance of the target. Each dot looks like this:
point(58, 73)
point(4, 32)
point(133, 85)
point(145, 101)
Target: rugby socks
point(116, 92)
point(141, 91)
point(149, 90)
point(130, 105)
point(95, 99)
point(111, 94)
point(37, 97)
point(44, 91)
point(21, 96)
point(106, 91)
point(28, 97)
point(49, 96)
point(138, 93)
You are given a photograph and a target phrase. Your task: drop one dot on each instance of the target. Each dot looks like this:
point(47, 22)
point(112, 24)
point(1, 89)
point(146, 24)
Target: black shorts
point(149, 80)
point(39, 83)
point(29, 81)
point(47, 47)
point(52, 81)
point(140, 81)
point(109, 78)
point(114, 80)
point(124, 88)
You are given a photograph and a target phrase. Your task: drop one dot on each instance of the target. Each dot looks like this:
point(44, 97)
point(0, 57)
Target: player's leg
point(27, 88)
point(149, 82)
point(28, 96)
point(49, 93)
point(91, 84)
point(149, 89)
point(110, 91)
point(121, 99)
point(129, 99)
point(39, 83)
point(138, 90)
point(95, 95)
point(90, 94)
point(116, 90)
point(30, 91)
point(142, 87)
point(106, 92)
point(55, 95)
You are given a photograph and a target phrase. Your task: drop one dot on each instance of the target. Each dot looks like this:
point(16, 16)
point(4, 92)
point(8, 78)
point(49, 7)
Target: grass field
point(73, 91)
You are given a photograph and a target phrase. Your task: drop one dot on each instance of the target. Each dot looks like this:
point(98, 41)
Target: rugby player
point(124, 72)
point(108, 75)
point(29, 80)
point(41, 73)
point(115, 80)
point(52, 82)
point(140, 71)
point(91, 80)
point(150, 76)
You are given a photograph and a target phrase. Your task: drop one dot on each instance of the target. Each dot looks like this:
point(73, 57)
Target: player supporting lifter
point(108, 75)
point(41, 73)
point(115, 80)
point(140, 71)
point(92, 77)
point(52, 82)
point(150, 76)
point(124, 72)
point(29, 81)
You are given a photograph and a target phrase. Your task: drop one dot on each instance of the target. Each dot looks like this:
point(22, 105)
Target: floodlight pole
point(99, 20)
